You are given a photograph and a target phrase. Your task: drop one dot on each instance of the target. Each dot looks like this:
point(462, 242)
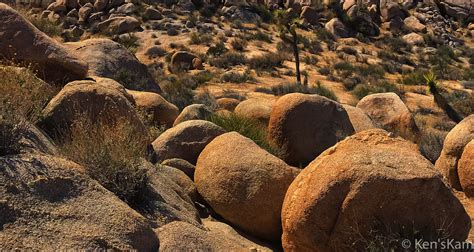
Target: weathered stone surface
point(366, 186)
point(304, 125)
point(244, 184)
point(186, 140)
point(453, 147)
point(466, 169)
point(21, 41)
point(109, 59)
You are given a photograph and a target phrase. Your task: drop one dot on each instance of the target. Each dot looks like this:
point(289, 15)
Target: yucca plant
point(432, 83)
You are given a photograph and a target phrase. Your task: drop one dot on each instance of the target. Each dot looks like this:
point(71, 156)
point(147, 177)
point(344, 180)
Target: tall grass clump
point(111, 153)
point(247, 127)
point(22, 98)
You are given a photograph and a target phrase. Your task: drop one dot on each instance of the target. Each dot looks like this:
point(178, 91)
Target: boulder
point(310, 15)
point(21, 41)
point(256, 109)
point(458, 9)
point(85, 12)
point(453, 147)
point(391, 10)
point(158, 110)
point(369, 186)
point(126, 9)
point(167, 197)
point(359, 119)
point(244, 184)
point(217, 236)
point(119, 25)
point(413, 38)
point(49, 204)
point(181, 165)
point(102, 101)
point(193, 112)
point(100, 5)
point(186, 140)
point(182, 180)
point(152, 14)
point(182, 60)
point(412, 24)
point(109, 59)
point(466, 169)
point(337, 28)
point(227, 103)
point(389, 112)
point(304, 125)
point(362, 21)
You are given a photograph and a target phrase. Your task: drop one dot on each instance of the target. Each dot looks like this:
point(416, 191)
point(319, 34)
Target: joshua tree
point(287, 22)
point(430, 79)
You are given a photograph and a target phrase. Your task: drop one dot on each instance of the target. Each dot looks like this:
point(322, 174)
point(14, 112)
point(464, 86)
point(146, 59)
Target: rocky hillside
point(236, 125)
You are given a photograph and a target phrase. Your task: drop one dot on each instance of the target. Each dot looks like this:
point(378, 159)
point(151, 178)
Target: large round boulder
point(184, 60)
point(48, 203)
point(120, 25)
point(389, 112)
point(359, 119)
point(369, 186)
point(104, 101)
point(107, 58)
point(23, 42)
point(466, 169)
point(256, 109)
point(186, 140)
point(453, 147)
point(158, 110)
point(244, 184)
point(304, 125)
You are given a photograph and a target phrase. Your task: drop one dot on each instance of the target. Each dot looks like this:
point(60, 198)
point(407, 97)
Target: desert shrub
point(309, 60)
point(349, 50)
point(199, 39)
point(129, 41)
point(228, 59)
point(441, 61)
point(395, 44)
point(130, 80)
point(239, 44)
point(267, 61)
point(111, 154)
point(344, 66)
point(217, 49)
point(311, 44)
point(206, 98)
point(373, 71)
point(247, 127)
point(324, 70)
point(468, 74)
point(414, 78)
point(236, 77)
point(258, 35)
point(288, 88)
point(362, 90)
point(178, 91)
point(22, 98)
point(203, 77)
point(43, 24)
point(228, 93)
point(462, 102)
point(263, 12)
point(324, 35)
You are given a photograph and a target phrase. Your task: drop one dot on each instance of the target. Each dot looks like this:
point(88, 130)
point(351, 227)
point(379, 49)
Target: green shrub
point(203, 77)
point(22, 98)
point(111, 154)
point(362, 90)
point(217, 49)
point(288, 88)
point(236, 77)
point(414, 78)
point(267, 61)
point(228, 59)
point(247, 127)
point(199, 39)
point(324, 35)
point(178, 91)
point(462, 102)
point(263, 12)
point(239, 44)
point(324, 70)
